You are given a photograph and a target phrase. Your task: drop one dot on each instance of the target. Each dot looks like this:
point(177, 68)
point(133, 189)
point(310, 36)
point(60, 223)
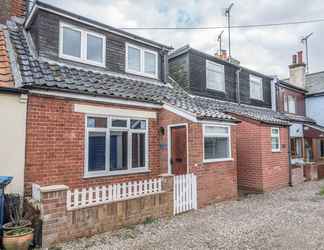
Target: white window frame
point(84, 40)
point(221, 135)
point(251, 76)
point(223, 76)
point(107, 171)
point(275, 136)
point(287, 99)
point(142, 61)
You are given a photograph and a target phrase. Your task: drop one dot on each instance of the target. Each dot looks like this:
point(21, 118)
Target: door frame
point(169, 145)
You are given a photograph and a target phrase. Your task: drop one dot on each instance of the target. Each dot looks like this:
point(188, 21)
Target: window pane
point(97, 151)
point(138, 150)
point(134, 59)
point(215, 76)
point(322, 148)
point(138, 124)
point(291, 104)
point(71, 42)
point(97, 122)
point(94, 48)
point(149, 63)
point(275, 132)
point(256, 90)
point(118, 150)
point(216, 130)
point(216, 148)
point(275, 143)
point(119, 123)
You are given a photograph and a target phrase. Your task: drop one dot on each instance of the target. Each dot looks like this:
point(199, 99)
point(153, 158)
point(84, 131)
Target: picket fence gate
point(185, 193)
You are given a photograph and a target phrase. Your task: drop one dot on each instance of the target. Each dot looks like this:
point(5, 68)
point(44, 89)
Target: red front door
point(179, 150)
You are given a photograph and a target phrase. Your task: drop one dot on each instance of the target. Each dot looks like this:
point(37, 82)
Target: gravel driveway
point(292, 218)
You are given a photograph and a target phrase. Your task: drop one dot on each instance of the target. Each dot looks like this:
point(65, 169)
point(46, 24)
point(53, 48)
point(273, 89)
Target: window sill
point(138, 73)
point(218, 160)
point(117, 173)
point(256, 99)
point(276, 151)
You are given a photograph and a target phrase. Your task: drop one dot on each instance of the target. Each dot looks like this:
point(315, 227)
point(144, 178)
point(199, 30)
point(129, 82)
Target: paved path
point(292, 218)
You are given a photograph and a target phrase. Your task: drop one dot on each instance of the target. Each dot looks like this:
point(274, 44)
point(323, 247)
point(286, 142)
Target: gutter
point(13, 90)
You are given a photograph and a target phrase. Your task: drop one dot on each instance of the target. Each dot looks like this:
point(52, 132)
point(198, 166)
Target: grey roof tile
point(314, 83)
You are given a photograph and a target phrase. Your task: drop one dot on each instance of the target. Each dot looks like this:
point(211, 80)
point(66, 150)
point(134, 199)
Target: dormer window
point(290, 104)
point(215, 79)
point(256, 89)
point(81, 45)
point(141, 61)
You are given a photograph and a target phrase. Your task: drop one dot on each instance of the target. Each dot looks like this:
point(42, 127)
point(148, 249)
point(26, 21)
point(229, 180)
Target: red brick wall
point(55, 146)
point(216, 181)
point(275, 165)
point(260, 169)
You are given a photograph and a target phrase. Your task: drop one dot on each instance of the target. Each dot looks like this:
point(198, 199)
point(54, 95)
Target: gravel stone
point(291, 218)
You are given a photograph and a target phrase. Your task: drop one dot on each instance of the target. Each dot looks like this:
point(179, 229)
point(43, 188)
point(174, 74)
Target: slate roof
point(264, 115)
point(314, 83)
point(38, 73)
point(299, 118)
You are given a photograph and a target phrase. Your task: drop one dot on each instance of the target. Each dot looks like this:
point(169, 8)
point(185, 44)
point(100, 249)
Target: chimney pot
point(300, 57)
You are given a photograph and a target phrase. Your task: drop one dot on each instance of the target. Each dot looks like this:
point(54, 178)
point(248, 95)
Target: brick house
point(262, 135)
point(305, 142)
point(104, 110)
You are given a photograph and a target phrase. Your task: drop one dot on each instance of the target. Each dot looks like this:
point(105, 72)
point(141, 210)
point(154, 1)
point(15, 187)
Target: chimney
point(222, 55)
point(297, 70)
point(11, 8)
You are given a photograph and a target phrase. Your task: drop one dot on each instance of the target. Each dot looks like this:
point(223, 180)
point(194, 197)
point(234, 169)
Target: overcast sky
point(267, 50)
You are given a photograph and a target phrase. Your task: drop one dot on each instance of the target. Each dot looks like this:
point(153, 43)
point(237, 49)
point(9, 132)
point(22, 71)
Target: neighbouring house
point(262, 135)
point(106, 127)
point(314, 83)
point(13, 107)
point(305, 133)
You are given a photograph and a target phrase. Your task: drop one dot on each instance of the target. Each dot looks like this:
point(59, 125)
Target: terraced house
point(262, 135)
point(120, 129)
point(106, 127)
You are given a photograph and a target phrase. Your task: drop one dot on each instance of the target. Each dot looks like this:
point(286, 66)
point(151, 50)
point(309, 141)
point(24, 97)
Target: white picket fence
point(85, 197)
point(185, 193)
point(36, 195)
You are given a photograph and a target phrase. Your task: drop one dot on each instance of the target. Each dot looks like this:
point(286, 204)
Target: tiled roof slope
point(255, 113)
point(6, 79)
point(41, 74)
point(314, 82)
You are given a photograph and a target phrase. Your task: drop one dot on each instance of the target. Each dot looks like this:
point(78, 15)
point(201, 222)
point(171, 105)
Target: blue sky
point(267, 50)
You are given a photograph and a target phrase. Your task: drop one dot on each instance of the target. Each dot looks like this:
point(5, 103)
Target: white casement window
point(115, 145)
point(215, 78)
point(81, 45)
point(275, 139)
point(141, 61)
point(256, 89)
point(217, 143)
point(290, 104)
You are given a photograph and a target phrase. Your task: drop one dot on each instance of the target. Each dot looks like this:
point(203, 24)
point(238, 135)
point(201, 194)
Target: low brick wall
point(60, 224)
point(311, 172)
point(297, 175)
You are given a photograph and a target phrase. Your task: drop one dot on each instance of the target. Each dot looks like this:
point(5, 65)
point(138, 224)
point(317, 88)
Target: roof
point(264, 115)
point(41, 5)
point(6, 79)
point(315, 83)
point(186, 48)
point(299, 118)
point(39, 73)
point(285, 83)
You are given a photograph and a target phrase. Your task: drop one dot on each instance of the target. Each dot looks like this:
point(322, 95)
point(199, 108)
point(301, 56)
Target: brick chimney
point(9, 8)
point(297, 70)
point(222, 55)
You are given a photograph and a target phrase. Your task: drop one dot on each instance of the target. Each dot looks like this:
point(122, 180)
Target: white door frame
point(169, 144)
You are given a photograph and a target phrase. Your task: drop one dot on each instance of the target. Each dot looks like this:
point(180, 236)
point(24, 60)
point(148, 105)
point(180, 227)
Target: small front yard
point(292, 218)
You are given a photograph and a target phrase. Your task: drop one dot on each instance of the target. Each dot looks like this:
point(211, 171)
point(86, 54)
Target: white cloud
point(267, 50)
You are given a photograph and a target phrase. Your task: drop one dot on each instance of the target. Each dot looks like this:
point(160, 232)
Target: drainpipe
point(238, 97)
point(289, 159)
point(165, 73)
